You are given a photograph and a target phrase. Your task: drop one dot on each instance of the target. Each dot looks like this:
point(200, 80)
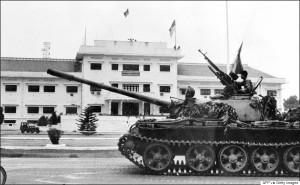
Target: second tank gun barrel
point(109, 88)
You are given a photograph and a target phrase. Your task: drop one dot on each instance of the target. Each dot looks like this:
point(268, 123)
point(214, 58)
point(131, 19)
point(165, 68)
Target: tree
point(53, 119)
point(291, 102)
point(87, 120)
point(43, 121)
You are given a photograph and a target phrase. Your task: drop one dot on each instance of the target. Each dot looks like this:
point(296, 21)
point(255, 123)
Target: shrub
point(54, 135)
point(87, 120)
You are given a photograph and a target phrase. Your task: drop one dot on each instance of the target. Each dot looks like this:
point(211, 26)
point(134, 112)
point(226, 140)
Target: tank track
point(179, 168)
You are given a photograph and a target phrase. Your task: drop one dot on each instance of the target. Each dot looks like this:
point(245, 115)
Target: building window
point(10, 109)
point(10, 88)
point(164, 68)
point(33, 110)
point(72, 89)
point(205, 91)
point(182, 91)
point(164, 89)
point(115, 67)
point(33, 88)
point(218, 91)
point(271, 93)
point(48, 110)
point(32, 121)
point(146, 67)
point(146, 88)
point(131, 87)
point(96, 66)
point(71, 110)
point(164, 110)
point(130, 67)
point(49, 88)
point(93, 88)
point(10, 121)
point(115, 85)
point(96, 109)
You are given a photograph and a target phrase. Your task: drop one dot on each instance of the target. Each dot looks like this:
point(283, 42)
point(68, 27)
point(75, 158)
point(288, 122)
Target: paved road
point(103, 171)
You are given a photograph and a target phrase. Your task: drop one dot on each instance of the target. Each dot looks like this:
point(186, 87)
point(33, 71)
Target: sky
point(269, 30)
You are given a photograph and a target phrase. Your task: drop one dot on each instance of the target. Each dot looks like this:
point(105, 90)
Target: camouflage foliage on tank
point(208, 110)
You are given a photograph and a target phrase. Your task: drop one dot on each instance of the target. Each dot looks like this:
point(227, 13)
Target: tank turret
point(240, 107)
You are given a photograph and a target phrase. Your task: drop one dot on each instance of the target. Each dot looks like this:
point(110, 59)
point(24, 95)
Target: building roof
point(201, 69)
point(68, 65)
point(128, 48)
point(36, 64)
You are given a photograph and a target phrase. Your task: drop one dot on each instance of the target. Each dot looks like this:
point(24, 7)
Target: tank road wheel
point(265, 159)
point(233, 159)
point(126, 144)
point(200, 158)
point(3, 175)
point(291, 159)
point(157, 157)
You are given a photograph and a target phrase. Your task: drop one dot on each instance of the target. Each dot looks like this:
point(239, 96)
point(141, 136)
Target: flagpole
point(227, 38)
point(85, 36)
point(175, 35)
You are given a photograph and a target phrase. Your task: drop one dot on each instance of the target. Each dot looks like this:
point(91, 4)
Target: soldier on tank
point(228, 91)
point(246, 85)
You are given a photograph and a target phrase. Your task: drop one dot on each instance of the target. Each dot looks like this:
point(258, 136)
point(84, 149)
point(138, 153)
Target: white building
point(148, 68)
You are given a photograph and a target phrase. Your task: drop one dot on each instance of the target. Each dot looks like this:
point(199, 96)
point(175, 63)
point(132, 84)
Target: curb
point(70, 138)
point(61, 147)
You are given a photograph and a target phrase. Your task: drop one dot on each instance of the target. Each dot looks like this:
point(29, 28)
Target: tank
point(240, 134)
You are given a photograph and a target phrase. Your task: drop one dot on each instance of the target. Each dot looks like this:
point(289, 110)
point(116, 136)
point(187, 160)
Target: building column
point(109, 107)
point(121, 107)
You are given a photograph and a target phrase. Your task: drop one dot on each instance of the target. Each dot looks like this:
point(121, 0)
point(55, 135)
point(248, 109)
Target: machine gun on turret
point(224, 78)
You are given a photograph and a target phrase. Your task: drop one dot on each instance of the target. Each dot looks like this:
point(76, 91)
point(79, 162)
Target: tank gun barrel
point(209, 61)
point(109, 88)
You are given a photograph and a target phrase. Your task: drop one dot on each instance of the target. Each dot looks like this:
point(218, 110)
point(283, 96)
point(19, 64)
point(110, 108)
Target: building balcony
point(130, 73)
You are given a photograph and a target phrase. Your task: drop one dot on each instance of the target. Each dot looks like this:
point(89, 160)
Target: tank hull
point(231, 150)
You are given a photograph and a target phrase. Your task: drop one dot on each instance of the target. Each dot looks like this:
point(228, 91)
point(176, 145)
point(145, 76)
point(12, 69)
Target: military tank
point(240, 134)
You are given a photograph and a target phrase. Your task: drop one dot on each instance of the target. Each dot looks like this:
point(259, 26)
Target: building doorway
point(130, 109)
point(146, 109)
point(114, 108)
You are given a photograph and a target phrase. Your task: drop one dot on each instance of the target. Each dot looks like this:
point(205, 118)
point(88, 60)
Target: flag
point(237, 66)
point(126, 12)
point(172, 28)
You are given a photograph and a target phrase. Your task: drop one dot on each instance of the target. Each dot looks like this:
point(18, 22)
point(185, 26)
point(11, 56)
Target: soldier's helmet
point(190, 92)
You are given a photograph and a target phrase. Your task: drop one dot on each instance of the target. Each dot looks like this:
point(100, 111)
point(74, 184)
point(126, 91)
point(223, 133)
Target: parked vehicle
point(29, 128)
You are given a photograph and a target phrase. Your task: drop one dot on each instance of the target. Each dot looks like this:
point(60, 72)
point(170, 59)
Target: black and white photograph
point(150, 92)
